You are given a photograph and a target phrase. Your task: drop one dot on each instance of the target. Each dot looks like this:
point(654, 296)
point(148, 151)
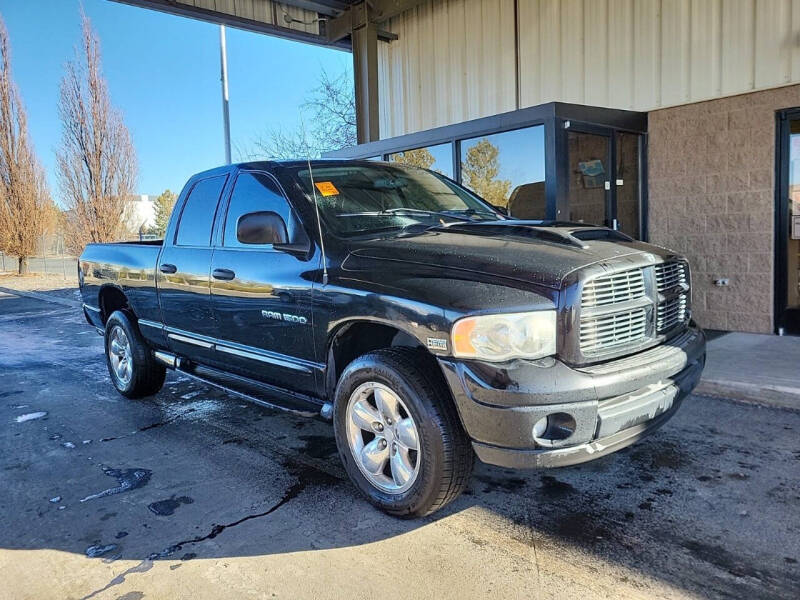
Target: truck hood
point(518, 250)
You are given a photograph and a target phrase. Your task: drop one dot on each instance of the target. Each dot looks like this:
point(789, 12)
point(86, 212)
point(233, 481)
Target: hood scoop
point(565, 234)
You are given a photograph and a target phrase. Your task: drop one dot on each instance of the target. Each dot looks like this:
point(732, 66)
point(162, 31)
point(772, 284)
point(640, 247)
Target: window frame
point(220, 241)
point(187, 197)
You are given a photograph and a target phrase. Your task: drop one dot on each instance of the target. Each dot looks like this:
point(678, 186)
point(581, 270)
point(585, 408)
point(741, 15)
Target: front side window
point(197, 217)
point(357, 199)
point(508, 169)
point(256, 200)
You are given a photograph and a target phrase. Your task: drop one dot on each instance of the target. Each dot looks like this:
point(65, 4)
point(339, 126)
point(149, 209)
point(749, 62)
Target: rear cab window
point(197, 217)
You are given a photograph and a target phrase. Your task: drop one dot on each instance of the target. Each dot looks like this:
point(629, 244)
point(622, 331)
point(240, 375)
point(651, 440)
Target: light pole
point(223, 66)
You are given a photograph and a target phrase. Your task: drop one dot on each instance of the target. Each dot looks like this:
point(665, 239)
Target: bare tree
point(25, 204)
point(96, 160)
point(330, 111)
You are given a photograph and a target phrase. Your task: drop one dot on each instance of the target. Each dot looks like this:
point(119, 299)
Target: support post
point(365, 75)
point(223, 67)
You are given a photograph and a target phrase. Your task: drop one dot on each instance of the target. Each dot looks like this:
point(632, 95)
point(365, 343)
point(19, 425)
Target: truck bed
point(131, 266)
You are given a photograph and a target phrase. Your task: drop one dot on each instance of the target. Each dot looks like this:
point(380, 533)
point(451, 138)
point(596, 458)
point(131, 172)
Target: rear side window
point(197, 218)
point(256, 192)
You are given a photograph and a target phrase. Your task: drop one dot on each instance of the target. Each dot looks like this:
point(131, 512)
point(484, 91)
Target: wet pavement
point(195, 493)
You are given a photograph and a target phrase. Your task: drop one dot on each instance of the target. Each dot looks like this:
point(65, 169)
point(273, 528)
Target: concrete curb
point(42, 296)
point(772, 396)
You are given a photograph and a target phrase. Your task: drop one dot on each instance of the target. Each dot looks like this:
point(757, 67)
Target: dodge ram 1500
point(429, 326)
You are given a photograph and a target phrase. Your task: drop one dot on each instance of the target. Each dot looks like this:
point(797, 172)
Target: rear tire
point(378, 452)
point(133, 369)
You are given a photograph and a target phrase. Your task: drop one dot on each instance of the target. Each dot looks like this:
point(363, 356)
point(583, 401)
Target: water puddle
point(128, 479)
point(30, 416)
point(165, 508)
point(100, 550)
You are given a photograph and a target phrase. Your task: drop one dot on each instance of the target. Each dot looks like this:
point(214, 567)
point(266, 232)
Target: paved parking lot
point(196, 494)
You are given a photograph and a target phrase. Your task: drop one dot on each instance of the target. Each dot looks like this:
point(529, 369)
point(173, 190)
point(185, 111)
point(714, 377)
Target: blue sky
point(163, 73)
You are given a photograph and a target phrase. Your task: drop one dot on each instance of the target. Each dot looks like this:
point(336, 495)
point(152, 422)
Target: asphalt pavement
point(195, 493)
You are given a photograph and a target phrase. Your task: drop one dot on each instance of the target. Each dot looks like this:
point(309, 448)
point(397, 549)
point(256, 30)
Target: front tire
point(398, 432)
point(133, 369)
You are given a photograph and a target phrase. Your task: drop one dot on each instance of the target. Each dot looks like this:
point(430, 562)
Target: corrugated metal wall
point(263, 11)
point(456, 59)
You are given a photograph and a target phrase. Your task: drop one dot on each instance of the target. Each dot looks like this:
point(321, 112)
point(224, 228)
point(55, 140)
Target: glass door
point(627, 199)
point(787, 232)
point(589, 177)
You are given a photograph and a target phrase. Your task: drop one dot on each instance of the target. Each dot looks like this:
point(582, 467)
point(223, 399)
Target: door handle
point(223, 274)
point(168, 268)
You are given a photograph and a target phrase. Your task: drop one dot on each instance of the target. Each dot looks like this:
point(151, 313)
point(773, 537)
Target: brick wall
point(711, 197)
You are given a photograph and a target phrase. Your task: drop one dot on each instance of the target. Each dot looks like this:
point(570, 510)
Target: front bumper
point(612, 404)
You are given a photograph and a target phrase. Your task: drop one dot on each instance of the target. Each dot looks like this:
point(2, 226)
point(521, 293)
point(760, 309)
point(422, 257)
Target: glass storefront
point(438, 158)
point(507, 170)
point(555, 161)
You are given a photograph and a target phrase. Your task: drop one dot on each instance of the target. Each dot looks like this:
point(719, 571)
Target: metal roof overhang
point(338, 18)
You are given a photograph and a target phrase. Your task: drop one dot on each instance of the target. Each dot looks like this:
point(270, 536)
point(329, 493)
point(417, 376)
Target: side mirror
point(301, 249)
point(263, 227)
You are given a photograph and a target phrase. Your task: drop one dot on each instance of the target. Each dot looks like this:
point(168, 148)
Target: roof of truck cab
point(269, 164)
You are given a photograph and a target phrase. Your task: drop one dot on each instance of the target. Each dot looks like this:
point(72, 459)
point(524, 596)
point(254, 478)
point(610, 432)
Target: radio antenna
point(316, 202)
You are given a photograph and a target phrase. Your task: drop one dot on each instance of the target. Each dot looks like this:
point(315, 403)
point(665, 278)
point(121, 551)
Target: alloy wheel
point(119, 353)
point(383, 438)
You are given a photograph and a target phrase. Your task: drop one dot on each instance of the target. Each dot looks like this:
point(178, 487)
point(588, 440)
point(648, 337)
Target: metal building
point(673, 120)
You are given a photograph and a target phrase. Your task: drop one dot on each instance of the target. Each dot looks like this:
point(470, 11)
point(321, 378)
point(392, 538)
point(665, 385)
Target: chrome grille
point(619, 287)
point(671, 312)
point(602, 333)
point(672, 282)
point(669, 275)
point(623, 310)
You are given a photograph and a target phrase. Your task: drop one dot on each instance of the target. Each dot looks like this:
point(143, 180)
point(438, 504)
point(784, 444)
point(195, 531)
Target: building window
point(507, 170)
point(437, 158)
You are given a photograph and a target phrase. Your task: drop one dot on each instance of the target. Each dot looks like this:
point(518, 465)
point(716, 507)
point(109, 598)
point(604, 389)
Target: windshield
point(360, 199)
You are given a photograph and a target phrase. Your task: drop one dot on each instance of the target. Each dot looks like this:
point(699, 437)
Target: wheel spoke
point(373, 456)
point(401, 466)
point(364, 415)
point(407, 434)
point(387, 404)
point(116, 348)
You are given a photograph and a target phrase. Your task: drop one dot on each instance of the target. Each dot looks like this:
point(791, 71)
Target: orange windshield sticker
point(326, 188)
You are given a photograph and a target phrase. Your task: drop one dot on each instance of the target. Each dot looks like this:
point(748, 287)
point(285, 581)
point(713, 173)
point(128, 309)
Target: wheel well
point(111, 299)
point(353, 340)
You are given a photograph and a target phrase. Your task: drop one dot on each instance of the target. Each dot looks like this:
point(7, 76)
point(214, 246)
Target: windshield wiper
point(401, 210)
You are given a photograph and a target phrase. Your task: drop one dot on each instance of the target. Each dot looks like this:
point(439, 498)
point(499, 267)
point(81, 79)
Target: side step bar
point(246, 388)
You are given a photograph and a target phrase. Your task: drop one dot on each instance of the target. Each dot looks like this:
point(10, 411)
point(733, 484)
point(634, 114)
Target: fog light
point(554, 428)
point(539, 428)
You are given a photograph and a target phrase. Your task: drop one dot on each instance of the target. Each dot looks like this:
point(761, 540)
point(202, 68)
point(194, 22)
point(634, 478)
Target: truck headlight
point(502, 337)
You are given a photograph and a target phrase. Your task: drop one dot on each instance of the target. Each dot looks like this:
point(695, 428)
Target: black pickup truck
point(429, 326)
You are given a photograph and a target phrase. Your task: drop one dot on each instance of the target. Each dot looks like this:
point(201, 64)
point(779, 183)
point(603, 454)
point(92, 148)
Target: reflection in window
point(437, 158)
point(793, 243)
point(588, 173)
point(507, 169)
